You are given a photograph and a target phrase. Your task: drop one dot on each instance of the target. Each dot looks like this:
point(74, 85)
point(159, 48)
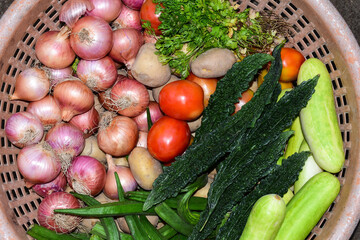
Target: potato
point(144, 167)
point(147, 68)
point(195, 124)
point(92, 149)
point(156, 91)
point(213, 63)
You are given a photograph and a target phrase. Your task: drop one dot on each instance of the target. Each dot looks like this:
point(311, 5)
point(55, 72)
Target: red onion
point(149, 38)
point(67, 142)
point(127, 42)
point(129, 97)
point(128, 18)
point(46, 110)
point(32, 84)
point(58, 75)
point(86, 175)
point(105, 100)
point(23, 129)
point(108, 10)
point(142, 142)
point(98, 75)
point(87, 122)
point(56, 185)
point(72, 10)
point(38, 163)
point(91, 38)
point(73, 98)
point(155, 114)
point(53, 49)
point(134, 4)
point(127, 179)
point(61, 223)
point(117, 135)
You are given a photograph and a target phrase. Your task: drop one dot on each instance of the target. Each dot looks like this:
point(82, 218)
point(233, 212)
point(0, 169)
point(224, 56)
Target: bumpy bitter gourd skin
point(319, 120)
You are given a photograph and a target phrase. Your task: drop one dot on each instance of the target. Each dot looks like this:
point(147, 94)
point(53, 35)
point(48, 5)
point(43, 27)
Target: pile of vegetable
point(142, 125)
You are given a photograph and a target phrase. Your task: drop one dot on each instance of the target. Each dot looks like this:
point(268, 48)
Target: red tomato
point(168, 138)
point(147, 13)
point(182, 99)
point(207, 84)
point(291, 60)
point(245, 97)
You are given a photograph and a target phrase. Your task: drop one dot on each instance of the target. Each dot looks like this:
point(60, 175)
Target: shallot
point(32, 84)
point(108, 10)
point(73, 98)
point(61, 223)
point(58, 75)
point(91, 38)
point(98, 75)
point(134, 4)
point(87, 122)
point(127, 180)
point(86, 175)
point(53, 49)
point(23, 129)
point(117, 135)
point(46, 110)
point(128, 18)
point(142, 119)
point(38, 163)
point(56, 185)
point(72, 10)
point(127, 42)
point(129, 97)
point(67, 141)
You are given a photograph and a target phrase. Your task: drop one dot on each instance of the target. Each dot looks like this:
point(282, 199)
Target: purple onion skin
point(56, 185)
point(134, 4)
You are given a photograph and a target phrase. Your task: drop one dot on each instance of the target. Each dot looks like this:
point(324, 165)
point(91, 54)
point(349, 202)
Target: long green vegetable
point(110, 228)
point(216, 134)
point(41, 233)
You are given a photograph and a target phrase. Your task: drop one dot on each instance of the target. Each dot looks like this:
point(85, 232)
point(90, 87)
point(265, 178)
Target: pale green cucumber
point(288, 196)
point(309, 170)
point(319, 120)
point(295, 141)
point(308, 206)
point(265, 218)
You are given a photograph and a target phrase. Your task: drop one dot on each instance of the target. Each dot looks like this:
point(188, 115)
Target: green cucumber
point(295, 141)
point(309, 170)
point(288, 196)
point(265, 218)
point(319, 120)
point(308, 206)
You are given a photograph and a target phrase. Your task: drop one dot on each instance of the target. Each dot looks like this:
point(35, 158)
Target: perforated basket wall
point(310, 33)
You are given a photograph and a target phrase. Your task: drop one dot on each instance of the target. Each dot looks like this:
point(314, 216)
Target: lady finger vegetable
point(319, 119)
point(265, 218)
point(308, 205)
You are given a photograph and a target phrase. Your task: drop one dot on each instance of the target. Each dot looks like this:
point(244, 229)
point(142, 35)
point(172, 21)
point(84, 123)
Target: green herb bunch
point(190, 27)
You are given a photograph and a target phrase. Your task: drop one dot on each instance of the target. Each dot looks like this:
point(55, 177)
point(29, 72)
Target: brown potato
point(213, 63)
point(147, 68)
point(144, 167)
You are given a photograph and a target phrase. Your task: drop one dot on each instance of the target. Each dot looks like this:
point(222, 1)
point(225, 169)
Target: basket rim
point(350, 50)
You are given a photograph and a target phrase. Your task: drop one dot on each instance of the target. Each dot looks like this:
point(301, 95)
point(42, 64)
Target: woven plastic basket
point(317, 31)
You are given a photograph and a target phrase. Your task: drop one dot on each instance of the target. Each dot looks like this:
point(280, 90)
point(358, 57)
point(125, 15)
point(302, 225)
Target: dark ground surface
point(349, 9)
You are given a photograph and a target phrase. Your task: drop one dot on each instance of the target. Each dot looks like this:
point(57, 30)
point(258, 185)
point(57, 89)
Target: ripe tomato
point(245, 97)
point(147, 13)
point(168, 138)
point(182, 99)
point(284, 85)
point(291, 60)
point(207, 84)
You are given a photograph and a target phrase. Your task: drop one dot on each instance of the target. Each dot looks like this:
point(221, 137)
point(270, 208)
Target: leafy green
point(189, 28)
